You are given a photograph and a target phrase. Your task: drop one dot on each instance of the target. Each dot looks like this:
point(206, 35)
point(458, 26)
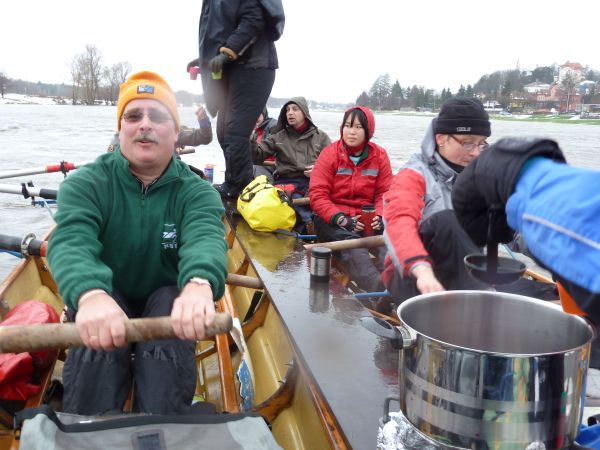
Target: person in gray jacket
point(296, 142)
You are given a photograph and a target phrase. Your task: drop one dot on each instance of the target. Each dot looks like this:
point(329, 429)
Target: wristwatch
point(200, 281)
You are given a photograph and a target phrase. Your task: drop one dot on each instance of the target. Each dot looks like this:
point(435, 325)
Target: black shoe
point(227, 191)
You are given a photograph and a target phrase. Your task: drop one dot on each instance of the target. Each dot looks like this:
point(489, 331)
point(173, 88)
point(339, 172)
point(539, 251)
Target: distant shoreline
point(19, 99)
point(519, 118)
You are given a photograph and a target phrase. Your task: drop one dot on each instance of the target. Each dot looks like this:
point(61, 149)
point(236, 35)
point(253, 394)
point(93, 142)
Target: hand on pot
point(490, 180)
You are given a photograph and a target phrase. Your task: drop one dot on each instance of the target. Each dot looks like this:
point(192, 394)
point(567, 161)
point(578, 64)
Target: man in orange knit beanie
point(138, 234)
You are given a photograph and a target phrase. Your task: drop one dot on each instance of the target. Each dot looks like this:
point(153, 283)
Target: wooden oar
point(366, 242)
point(29, 191)
point(185, 151)
point(27, 338)
point(63, 166)
point(301, 201)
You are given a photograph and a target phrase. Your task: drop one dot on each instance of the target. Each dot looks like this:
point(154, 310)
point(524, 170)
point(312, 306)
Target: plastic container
point(209, 171)
point(320, 264)
point(367, 215)
point(194, 71)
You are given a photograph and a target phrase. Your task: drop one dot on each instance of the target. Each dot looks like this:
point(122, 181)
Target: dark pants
point(239, 97)
point(447, 244)
point(98, 382)
point(588, 302)
point(304, 213)
point(357, 261)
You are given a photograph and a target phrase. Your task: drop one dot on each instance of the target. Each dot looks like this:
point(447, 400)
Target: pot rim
point(541, 303)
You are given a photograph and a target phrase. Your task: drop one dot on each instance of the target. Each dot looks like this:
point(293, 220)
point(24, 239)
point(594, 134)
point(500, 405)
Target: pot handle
point(399, 337)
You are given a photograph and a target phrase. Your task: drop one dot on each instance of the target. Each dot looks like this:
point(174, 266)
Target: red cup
point(367, 215)
point(194, 71)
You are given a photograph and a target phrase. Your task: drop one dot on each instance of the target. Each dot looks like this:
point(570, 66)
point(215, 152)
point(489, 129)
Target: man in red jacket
point(425, 242)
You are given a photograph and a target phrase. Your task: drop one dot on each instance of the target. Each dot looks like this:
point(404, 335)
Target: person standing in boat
point(425, 242)
point(262, 131)
point(237, 60)
point(296, 143)
point(350, 173)
point(138, 234)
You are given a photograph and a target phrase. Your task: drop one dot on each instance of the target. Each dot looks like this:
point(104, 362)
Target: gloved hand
point(490, 180)
point(216, 64)
point(193, 63)
point(347, 223)
point(378, 223)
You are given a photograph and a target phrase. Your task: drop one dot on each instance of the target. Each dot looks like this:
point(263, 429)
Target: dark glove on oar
point(490, 180)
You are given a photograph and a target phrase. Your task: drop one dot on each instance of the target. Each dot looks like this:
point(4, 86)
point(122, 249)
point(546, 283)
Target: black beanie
point(463, 116)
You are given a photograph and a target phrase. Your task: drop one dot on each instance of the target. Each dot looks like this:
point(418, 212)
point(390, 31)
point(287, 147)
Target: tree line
point(92, 82)
point(497, 86)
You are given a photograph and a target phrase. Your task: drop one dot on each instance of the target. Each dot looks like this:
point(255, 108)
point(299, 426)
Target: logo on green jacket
point(169, 236)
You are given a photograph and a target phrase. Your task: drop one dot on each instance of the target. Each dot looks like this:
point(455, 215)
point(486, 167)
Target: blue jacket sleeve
point(556, 207)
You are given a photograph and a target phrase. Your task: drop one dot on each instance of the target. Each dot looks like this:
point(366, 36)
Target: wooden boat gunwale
point(279, 401)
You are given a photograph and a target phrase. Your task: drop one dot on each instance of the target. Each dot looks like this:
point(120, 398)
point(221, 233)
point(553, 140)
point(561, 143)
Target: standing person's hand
point(216, 64)
point(490, 180)
point(193, 63)
point(193, 311)
point(101, 322)
point(426, 280)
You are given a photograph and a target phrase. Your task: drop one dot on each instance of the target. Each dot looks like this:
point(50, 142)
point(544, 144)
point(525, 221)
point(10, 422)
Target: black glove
point(490, 180)
point(193, 63)
point(380, 222)
point(216, 64)
point(347, 223)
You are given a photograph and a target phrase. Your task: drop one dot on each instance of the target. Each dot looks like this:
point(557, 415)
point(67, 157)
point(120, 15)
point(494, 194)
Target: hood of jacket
point(282, 121)
point(370, 121)
point(433, 159)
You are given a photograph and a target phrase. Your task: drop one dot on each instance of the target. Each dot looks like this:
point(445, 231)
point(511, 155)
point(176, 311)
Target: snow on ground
point(20, 99)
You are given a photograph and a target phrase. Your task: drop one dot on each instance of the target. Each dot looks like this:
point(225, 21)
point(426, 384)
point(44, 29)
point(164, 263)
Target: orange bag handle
point(567, 302)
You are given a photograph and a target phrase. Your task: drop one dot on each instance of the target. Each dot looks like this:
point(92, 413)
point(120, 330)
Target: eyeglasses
point(155, 116)
point(470, 146)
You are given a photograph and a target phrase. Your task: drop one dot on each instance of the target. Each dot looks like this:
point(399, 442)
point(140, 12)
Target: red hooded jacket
point(338, 185)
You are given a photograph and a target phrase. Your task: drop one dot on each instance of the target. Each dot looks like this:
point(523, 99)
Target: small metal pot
point(483, 369)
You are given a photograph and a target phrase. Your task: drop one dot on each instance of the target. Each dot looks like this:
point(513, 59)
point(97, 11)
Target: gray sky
point(331, 50)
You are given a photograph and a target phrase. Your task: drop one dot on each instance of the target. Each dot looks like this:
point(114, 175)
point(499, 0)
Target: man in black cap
point(425, 242)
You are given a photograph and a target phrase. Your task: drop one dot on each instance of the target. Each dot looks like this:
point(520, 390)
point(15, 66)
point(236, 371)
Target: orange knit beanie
point(150, 85)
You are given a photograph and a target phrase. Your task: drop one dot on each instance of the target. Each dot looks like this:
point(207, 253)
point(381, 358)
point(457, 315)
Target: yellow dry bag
point(265, 207)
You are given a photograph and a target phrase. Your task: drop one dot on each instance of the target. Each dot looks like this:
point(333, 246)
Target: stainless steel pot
point(487, 370)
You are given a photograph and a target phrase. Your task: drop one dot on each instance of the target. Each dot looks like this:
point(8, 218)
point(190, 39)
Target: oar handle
point(27, 338)
point(301, 201)
point(366, 242)
point(25, 246)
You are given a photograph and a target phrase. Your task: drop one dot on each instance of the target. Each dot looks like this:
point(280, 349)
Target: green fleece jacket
point(110, 234)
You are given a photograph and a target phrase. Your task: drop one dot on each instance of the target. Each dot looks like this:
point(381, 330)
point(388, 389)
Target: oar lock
point(24, 189)
point(25, 244)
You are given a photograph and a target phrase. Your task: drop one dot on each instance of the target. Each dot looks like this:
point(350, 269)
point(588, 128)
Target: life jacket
point(17, 369)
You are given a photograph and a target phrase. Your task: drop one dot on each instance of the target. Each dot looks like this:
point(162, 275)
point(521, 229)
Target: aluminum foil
point(399, 434)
